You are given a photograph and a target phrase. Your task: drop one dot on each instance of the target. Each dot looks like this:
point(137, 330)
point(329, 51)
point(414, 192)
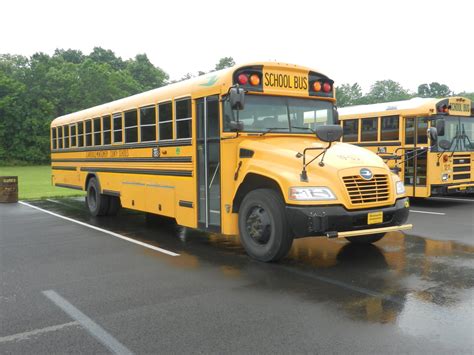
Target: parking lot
point(120, 284)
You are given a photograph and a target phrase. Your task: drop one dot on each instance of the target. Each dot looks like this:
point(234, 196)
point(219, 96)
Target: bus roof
point(414, 105)
point(185, 88)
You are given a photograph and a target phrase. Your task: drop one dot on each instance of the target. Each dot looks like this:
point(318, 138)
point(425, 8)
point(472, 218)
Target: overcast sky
point(412, 42)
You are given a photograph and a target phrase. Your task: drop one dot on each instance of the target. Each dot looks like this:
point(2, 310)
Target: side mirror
point(440, 126)
point(237, 98)
point(236, 126)
point(444, 144)
point(329, 133)
point(335, 114)
point(433, 133)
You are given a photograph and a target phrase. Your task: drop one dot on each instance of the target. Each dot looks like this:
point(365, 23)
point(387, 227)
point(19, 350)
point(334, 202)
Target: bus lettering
point(285, 81)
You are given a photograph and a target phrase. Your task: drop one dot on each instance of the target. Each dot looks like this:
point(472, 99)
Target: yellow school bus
point(429, 164)
point(250, 150)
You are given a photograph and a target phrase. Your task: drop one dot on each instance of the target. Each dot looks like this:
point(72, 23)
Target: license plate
point(375, 217)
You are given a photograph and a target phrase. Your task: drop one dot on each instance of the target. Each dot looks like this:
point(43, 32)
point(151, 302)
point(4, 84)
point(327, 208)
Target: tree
point(145, 73)
point(348, 95)
point(101, 55)
point(385, 91)
point(434, 90)
point(225, 62)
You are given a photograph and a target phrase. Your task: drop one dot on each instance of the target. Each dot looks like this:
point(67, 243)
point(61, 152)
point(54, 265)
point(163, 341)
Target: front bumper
point(307, 221)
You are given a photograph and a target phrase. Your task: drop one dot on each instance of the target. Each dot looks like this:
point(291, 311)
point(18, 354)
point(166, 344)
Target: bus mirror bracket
point(236, 126)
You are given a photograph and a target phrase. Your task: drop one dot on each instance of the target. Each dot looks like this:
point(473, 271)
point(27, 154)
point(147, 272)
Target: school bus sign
point(459, 106)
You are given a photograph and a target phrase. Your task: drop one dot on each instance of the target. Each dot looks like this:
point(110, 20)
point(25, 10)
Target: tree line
point(34, 90)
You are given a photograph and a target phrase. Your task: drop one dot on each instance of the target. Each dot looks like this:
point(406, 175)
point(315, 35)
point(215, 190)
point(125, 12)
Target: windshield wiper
point(270, 129)
point(306, 128)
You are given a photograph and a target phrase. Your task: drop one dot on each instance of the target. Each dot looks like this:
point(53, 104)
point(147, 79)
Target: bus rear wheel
point(366, 239)
point(264, 231)
point(96, 203)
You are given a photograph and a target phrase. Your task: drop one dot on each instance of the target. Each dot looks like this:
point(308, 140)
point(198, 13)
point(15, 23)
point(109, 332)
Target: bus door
point(208, 163)
point(416, 155)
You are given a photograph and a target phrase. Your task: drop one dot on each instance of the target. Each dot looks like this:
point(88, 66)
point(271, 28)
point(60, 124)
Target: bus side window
point(54, 138)
point(183, 119)
point(60, 137)
point(351, 130)
point(106, 127)
point(88, 133)
point(73, 135)
point(66, 136)
point(148, 124)
point(165, 121)
point(369, 129)
point(131, 126)
point(97, 132)
point(390, 128)
point(80, 134)
point(422, 127)
point(117, 128)
point(409, 131)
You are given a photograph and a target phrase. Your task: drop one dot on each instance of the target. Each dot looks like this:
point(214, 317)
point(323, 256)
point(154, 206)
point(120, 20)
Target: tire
point(96, 203)
point(264, 231)
point(114, 205)
point(366, 239)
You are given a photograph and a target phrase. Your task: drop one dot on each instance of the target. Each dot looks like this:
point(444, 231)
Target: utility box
point(8, 189)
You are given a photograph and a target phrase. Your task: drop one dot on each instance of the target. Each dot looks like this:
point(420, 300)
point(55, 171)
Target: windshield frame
point(456, 121)
point(297, 129)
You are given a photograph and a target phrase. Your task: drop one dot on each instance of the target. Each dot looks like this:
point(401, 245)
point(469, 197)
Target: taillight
point(443, 108)
point(243, 79)
point(327, 87)
point(317, 86)
point(254, 79)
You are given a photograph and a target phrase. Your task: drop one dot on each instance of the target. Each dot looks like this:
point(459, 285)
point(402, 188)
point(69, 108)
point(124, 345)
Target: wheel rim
point(258, 225)
point(92, 198)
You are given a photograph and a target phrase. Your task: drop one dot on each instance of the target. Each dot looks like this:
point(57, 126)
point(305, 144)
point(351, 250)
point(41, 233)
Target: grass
point(35, 182)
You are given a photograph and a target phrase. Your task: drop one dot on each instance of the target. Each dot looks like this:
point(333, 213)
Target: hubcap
point(259, 225)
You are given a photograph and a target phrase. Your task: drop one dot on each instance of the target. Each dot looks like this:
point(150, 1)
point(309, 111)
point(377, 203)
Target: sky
point(411, 42)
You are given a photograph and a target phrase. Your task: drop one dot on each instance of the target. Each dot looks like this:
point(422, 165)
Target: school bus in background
point(429, 164)
point(250, 150)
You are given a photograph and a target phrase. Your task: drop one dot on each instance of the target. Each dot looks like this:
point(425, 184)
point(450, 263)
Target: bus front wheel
point(366, 239)
point(264, 231)
point(96, 203)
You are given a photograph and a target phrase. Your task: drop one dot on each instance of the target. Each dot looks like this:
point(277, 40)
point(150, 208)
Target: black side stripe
point(63, 168)
point(139, 171)
point(185, 159)
point(69, 186)
point(187, 204)
point(180, 143)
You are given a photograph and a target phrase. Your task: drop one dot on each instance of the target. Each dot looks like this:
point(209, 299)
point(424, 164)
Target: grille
point(367, 191)
point(461, 166)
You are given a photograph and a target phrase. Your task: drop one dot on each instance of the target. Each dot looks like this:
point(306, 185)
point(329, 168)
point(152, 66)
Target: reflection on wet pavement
point(423, 286)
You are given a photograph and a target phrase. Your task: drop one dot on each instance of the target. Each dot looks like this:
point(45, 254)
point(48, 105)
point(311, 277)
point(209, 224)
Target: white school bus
point(250, 150)
point(399, 133)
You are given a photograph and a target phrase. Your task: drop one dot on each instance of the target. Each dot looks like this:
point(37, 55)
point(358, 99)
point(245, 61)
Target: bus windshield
point(280, 114)
point(459, 131)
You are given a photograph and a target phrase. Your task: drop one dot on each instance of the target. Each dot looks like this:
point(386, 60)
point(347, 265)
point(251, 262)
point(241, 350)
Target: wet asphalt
point(408, 293)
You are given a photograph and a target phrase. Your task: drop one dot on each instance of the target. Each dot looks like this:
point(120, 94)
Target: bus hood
point(284, 151)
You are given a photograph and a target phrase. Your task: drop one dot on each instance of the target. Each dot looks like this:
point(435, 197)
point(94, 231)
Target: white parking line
point(149, 246)
point(452, 199)
point(32, 333)
point(427, 212)
point(92, 327)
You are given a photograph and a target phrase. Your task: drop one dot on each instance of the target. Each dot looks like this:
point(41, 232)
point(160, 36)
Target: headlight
point(311, 193)
point(444, 177)
point(400, 188)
